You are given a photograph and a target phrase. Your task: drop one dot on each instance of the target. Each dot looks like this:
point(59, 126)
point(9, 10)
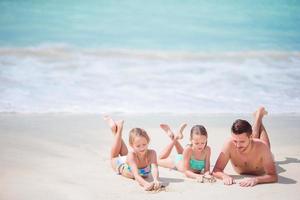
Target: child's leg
point(118, 147)
point(117, 144)
point(259, 130)
point(167, 151)
point(180, 132)
point(114, 128)
point(124, 149)
point(164, 159)
point(174, 138)
point(179, 136)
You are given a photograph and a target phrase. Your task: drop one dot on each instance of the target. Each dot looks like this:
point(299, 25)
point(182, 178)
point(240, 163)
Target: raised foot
point(119, 124)
point(167, 130)
point(261, 111)
point(111, 123)
point(179, 135)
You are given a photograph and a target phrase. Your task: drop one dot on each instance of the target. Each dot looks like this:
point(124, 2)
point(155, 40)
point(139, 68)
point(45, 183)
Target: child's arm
point(207, 159)
point(187, 153)
point(154, 168)
point(132, 163)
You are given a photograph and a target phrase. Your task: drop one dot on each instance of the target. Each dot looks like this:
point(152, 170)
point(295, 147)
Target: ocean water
point(149, 56)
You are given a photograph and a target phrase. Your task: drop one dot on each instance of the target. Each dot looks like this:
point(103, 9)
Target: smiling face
point(198, 142)
point(241, 141)
point(140, 145)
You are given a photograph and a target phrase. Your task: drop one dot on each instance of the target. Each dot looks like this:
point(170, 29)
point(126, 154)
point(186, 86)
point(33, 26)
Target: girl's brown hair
point(198, 130)
point(241, 126)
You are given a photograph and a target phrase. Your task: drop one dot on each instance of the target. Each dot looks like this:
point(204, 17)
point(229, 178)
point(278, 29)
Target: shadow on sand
point(280, 169)
point(167, 180)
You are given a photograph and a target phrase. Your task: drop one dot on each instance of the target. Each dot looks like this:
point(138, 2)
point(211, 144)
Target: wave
point(61, 51)
point(60, 78)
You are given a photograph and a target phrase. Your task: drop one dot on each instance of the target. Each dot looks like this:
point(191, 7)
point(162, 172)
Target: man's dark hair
point(241, 126)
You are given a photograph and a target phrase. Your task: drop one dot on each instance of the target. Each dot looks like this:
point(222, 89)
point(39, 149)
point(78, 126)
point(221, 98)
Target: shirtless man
point(249, 152)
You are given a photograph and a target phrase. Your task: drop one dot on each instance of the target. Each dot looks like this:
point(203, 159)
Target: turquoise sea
point(206, 26)
point(149, 56)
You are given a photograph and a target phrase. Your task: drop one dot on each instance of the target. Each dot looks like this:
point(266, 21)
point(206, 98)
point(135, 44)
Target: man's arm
point(270, 175)
point(221, 163)
point(270, 169)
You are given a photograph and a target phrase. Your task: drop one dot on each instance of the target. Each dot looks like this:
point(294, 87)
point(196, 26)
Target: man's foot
point(111, 123)
point(179, 135)
point(261, 111)
point(167, 129)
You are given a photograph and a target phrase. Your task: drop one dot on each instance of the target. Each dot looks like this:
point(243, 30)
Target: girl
point(137, 164)
point(194, 159)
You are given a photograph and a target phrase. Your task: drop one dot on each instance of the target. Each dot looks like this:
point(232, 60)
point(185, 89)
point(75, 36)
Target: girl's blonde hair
point(137, 132)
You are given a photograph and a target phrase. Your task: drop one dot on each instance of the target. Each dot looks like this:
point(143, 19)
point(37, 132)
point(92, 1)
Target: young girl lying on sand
point(137, 164)
point(194, 159)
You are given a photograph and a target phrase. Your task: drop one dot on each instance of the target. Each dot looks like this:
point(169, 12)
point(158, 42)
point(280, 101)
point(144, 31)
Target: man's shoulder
point(229, 143)
point(228, 146)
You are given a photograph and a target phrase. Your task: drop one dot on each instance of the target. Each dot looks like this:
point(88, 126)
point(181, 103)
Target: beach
point(66, 156)
point(63, 65)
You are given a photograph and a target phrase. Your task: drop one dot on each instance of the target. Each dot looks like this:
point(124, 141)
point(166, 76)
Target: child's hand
point(149, 186)
point(208, 178)
point(156, 185)
point(199, 179)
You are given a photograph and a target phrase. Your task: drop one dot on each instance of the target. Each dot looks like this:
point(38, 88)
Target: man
point(249, 152)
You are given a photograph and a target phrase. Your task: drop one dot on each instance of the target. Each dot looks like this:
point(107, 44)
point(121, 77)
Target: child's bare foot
point(167, 129)
point(179, 135)
point(111, 123)
point(119, 125)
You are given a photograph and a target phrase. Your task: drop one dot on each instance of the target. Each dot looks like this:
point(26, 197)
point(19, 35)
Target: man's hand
point(228, 180)
point(248, 182)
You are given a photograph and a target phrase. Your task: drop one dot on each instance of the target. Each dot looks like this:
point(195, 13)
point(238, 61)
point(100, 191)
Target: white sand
point(66, 156)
